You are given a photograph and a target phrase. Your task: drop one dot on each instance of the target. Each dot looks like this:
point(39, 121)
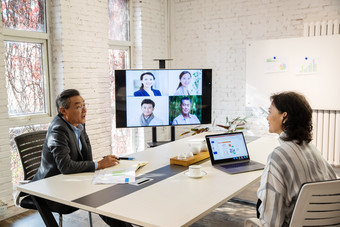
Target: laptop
point(229, 153)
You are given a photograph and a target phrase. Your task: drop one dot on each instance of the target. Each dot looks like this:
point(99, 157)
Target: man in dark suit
point(67, 147)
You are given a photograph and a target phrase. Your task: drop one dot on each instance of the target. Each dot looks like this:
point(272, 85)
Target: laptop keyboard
point(238, 165)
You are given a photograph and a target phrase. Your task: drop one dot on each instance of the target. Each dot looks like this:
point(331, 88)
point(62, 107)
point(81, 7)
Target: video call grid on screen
point(166, 98)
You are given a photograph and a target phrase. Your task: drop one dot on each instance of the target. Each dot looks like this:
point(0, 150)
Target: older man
point(67, 147)
point(185, 117)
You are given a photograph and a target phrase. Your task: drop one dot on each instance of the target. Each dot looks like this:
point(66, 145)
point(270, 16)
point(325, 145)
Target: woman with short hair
point(293, 163)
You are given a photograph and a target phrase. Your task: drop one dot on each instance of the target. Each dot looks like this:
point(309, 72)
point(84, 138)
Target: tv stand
point(156, 143)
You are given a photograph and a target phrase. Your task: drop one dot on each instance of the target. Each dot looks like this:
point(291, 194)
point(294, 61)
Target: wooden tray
point(189, 161)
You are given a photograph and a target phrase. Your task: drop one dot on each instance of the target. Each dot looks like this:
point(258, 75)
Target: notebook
point(229, 153)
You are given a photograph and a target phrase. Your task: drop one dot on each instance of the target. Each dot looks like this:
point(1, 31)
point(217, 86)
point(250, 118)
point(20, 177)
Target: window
point(119, 20)
point(24, 78)
point(119, 58)
point(26, 15)
point(24, 24)
point(26, 70)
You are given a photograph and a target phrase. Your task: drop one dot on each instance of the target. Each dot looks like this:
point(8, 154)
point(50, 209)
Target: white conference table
point(175, 201)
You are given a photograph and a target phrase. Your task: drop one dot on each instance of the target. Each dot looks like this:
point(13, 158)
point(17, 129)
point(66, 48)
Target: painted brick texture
point(84, 49)
point(213, 34)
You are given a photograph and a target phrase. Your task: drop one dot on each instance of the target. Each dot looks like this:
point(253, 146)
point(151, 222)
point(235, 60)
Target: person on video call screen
point(147, 118)
point(146, 89)
point(184, 82)
point(185, 117)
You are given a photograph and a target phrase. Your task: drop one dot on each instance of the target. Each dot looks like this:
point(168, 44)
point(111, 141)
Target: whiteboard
point(309, 65)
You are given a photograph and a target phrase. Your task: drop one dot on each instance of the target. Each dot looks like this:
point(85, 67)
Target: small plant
point(196, 130)
point(236, 124)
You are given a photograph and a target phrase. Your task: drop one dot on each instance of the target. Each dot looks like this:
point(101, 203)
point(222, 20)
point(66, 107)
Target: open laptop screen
point(228, 147)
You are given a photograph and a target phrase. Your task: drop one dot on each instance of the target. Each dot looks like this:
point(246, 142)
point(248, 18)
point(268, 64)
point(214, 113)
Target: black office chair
point(30, 147)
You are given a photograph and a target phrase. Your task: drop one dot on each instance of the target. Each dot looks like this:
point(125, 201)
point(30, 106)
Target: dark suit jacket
point(142, 92)
point(61, 153)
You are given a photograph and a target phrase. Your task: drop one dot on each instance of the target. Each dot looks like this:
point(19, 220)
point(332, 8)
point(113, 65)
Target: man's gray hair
point(63, 99)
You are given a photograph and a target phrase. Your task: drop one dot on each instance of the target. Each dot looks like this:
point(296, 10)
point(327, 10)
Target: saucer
point(203, 173)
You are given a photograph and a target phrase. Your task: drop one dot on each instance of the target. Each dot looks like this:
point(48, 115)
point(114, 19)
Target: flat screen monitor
point(163, 97)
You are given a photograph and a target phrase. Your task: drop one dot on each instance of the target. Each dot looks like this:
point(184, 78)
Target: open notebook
point(124, 172)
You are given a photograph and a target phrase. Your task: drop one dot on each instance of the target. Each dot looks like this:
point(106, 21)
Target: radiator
point(323, 28)
point(326, 123)
point(326, 134)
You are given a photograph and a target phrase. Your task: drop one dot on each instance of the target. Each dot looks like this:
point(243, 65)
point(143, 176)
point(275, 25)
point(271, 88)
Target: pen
point(124, 158)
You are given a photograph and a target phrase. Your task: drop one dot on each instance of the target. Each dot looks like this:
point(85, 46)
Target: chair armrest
point(252, 222)
point(17, 194)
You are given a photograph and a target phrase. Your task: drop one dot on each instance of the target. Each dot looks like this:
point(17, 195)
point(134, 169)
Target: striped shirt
point(288, 167)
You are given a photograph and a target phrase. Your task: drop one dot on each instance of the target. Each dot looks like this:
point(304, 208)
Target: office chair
point(318, 204)
point(30, 147)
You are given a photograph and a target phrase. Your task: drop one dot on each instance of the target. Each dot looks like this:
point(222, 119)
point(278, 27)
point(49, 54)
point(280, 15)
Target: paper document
point(110, 176)
point(140, 165)
point(125, 172)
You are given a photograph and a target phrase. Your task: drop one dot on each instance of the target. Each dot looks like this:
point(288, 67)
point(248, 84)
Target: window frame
point(126, 48)
point(44, 39)
point(47, 111)
point(121, 44)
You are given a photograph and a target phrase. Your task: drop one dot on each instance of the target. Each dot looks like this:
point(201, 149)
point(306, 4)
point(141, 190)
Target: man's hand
point(108, 161)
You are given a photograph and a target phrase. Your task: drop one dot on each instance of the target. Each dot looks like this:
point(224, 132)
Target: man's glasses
point(81, 107)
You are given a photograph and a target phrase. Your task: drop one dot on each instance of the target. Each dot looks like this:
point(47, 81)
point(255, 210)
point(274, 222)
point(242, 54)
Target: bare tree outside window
point(119, 20)
point(119, 30)
point(28, 15)
point(24, 71)
point(121, 138)
point(118, 60)
point(24, 78)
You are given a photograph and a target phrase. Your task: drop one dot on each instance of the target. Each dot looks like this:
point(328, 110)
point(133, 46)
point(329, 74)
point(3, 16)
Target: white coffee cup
point(204, 146)
point(189, 154)
point(195, 148)
point(181, 156)
point(194, 170)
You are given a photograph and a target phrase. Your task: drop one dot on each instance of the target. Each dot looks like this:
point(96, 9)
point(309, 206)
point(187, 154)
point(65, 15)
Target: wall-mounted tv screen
point(163, 97)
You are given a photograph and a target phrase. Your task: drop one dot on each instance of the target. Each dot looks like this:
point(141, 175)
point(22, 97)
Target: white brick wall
point(212, 34)
point(84, 49)
point(5, 166)
point(56, 54)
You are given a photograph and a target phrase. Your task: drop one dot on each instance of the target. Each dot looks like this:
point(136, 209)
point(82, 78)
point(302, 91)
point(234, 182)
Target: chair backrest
point(318, 204)
point(30, 147)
